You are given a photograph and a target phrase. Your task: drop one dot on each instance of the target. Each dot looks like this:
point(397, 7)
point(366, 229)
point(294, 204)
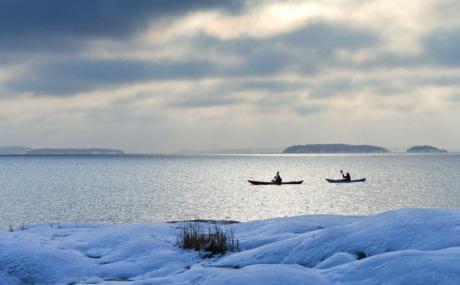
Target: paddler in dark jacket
point(346, 177)
point(277, 179)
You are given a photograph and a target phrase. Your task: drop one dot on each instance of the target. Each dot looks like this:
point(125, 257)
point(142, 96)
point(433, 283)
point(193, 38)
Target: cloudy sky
point(161, 76)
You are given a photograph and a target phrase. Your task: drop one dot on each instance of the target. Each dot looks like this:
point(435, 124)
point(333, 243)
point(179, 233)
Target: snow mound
point(391, 231)
point(407, 246)
point(336, 259)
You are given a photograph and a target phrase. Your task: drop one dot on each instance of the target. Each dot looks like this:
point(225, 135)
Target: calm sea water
point(162, 188)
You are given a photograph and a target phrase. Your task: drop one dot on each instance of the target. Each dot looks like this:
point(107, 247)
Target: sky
point(164, 76)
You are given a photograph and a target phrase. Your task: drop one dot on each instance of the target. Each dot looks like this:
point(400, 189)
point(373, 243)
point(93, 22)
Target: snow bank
point(408, 246)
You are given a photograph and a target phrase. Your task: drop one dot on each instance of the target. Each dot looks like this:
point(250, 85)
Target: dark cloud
point(50, 24)
point(332, 88)
point(302, 51)
point(277, 86)
point(326, 37)
point(446, 80)
point(391, 59)
point(443, 46)
point(200, 101)
point(347, 86)
point(67, 77)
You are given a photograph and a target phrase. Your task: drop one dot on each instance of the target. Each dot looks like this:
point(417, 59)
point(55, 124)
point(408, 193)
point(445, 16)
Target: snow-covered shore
point(407, 246)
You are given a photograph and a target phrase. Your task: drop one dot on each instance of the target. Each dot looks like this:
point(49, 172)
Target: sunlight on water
point(162, 188)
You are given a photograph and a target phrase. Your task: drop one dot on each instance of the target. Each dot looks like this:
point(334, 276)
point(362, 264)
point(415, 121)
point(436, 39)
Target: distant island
point(334, 148)
point(9, 150)
point(75, 151)
point(425, 149)
point(21, 150)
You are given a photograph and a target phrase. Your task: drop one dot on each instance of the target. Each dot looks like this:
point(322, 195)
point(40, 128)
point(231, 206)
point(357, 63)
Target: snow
point(336, 259)
point(406, 246)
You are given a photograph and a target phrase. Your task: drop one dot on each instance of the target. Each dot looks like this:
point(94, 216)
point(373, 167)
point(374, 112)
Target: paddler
point(346, 177)
point(277, 179)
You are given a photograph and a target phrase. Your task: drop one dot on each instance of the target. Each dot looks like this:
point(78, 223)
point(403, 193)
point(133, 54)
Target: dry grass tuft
point(214, 240)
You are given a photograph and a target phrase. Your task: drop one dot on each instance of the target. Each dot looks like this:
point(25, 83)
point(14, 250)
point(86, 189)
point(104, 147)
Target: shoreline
point(421, 245)
point(234, 154)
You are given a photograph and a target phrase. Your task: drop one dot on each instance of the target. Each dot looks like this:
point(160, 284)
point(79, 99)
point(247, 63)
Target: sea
point(151, 188)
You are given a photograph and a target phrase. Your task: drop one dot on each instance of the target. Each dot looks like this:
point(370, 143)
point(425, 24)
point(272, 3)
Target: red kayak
point(273, 183)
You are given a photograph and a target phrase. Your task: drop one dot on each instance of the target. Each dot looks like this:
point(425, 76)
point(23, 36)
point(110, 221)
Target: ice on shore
point(407, 246)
